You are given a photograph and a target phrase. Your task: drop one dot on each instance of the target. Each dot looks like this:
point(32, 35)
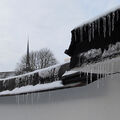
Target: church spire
point(28, 57)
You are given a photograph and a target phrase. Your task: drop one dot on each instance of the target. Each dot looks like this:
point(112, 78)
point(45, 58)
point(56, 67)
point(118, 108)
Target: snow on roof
point(97, 17)
point(70, 72)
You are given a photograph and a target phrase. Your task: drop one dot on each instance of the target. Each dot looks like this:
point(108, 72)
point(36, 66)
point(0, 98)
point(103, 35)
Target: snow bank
point(31, 88)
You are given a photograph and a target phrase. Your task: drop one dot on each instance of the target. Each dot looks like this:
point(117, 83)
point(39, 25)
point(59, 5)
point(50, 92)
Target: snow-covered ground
point(84, 103)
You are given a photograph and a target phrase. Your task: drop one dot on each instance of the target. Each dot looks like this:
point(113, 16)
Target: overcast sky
point(48, 23)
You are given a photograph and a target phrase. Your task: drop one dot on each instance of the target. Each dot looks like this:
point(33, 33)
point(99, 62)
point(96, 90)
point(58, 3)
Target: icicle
point(113, 67)
point(93, 30)
point(32, 98)
point(89, 32)
point(117, 15)
point(23, 98)
point(110, 67)
point(38, 95)
point(109, 24)
point(91, 76)
point(96, 25)
point(103, 74)
point(87, 78)
point(84, 28)
point(98, 78)
point(26, 96)
point(49, 95)
point(104, 71)
point(18, 100)
point(104, 26)
point(87, 75)
point(100, 71)
point(75, 35)
point(81, 34)
point(113, 19)
point(99, 27)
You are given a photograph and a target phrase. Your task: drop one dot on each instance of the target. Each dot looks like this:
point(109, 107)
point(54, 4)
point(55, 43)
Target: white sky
point(48, 23)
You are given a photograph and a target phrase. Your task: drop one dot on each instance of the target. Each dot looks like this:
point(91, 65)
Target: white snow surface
point(70, 72)
point(31, 88)
point(84, 103)
point(92, 53)
point(97, 17)
point(112, 49)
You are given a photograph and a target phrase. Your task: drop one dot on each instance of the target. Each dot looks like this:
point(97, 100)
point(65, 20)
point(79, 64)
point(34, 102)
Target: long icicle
point(109, 24)
point(99, 27)
point(113, 20)
point(97, 76)
point(117, 15)
point(93, 30)
point(81, 34)
point(104, 26)
point(84, 28)
point(96, 25)
point(75, 35)
point(89, 33)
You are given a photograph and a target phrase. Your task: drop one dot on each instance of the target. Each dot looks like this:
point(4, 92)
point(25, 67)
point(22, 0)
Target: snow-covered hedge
point(92, 53)
point(112, 49)
point(96, 54)
point(42, 76)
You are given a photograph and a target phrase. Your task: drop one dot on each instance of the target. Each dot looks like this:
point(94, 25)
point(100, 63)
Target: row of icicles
point(103, 69)
point(33, 98)
point(96, 25)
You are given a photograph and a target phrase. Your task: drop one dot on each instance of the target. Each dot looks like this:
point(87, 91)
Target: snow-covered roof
point(97, 17)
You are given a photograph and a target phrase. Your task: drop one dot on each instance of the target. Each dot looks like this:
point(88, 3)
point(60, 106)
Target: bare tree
point(38, 60)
